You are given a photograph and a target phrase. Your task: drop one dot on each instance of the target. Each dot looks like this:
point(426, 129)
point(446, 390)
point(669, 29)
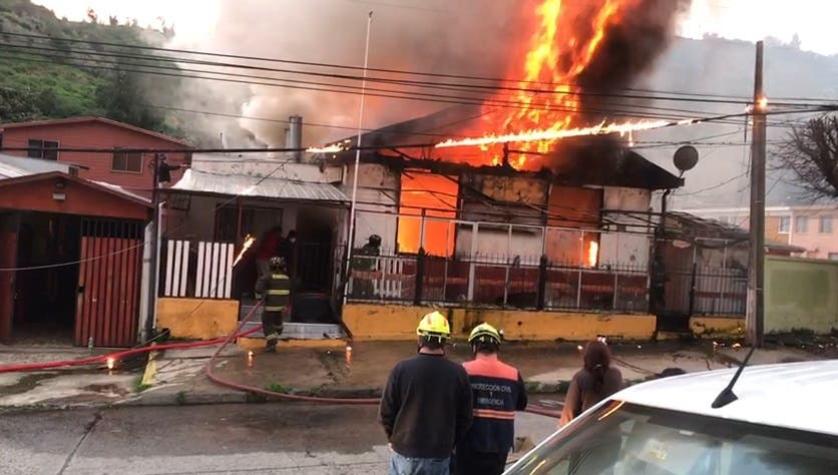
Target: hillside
point(61, 80)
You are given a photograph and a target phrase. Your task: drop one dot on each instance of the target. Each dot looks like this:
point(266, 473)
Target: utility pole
point(755, 319)
point(153, 242)
point(352, 208)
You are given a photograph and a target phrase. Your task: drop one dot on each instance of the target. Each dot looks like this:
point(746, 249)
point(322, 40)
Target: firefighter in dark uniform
point(275, 291)
point(498, 392)
point(366, 263)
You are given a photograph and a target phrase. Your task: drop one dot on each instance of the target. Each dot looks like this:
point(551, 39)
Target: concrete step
point(303, 331)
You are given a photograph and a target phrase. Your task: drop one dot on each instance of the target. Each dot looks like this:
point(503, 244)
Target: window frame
point(784, 219)
point(125, 156)
point(42, 144)
point(823, 219)
point(801, 229)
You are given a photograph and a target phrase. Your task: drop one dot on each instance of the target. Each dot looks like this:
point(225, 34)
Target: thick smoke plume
point(443, 36)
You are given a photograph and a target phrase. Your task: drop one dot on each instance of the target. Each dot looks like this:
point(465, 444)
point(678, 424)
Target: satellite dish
point(685, 158)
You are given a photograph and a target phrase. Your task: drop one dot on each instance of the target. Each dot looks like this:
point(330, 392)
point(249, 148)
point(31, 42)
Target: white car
point(783, 419)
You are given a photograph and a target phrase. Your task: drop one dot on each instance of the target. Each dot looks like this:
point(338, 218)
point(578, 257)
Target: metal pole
point(154, 264)
point(756, 275)
point(352, 210)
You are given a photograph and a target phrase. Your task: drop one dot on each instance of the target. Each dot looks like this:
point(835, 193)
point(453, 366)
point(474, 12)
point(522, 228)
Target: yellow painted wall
point(382, 322)
point(717, 327)
point(396, 322)
point(548, 326)
point(197, 319)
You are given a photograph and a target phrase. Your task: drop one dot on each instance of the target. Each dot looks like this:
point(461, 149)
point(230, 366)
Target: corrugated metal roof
point(16, 167)
point(254, 186)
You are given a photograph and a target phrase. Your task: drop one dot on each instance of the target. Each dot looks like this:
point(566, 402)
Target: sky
point(812, 20)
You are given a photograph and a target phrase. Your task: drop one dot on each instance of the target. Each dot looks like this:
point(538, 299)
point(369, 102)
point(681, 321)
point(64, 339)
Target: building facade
point(811, 227)
point(130, 170)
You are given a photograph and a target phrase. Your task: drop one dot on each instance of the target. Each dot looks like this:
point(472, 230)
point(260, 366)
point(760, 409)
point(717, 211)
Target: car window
point(624, 439)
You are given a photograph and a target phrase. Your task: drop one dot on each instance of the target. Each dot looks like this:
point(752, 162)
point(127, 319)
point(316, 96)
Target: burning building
point(485, 206)
point(480, 205)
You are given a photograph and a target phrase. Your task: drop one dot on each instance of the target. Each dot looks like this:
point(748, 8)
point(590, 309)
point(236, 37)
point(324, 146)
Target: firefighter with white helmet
point(498, 391)
point(427, 404)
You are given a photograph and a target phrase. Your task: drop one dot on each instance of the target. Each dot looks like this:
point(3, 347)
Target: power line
point(385, 93)
point(336, 66)
point(688, 97)
point(294, 84)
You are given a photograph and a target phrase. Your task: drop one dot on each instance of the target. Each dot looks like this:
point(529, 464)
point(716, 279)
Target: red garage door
point(109, 282)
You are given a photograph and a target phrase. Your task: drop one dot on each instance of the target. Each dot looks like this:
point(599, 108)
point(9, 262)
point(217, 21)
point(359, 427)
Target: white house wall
point(376, 184)
point(624, 248)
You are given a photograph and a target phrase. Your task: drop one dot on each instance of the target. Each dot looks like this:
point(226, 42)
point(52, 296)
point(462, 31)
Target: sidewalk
point(177, 377)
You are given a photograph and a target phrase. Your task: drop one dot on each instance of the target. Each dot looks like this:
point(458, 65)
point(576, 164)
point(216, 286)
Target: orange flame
point(248, 242)
point(548, 135)
point(568, 36)
point(593, 253)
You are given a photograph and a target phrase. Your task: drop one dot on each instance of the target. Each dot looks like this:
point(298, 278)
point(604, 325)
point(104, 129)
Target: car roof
point(792, 395)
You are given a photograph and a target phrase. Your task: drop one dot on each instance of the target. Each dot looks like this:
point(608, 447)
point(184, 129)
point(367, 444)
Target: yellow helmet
point(434, 324)
point(484, 333)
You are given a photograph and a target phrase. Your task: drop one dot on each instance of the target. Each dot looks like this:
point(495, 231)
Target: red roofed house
point(132, 171)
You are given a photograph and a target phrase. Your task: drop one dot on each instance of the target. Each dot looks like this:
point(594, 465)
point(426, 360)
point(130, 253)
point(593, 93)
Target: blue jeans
point(400, 465)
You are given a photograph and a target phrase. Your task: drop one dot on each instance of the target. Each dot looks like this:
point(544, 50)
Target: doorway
point(46, 282)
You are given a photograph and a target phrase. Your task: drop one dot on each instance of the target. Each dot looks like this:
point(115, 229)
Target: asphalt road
point(237, 439)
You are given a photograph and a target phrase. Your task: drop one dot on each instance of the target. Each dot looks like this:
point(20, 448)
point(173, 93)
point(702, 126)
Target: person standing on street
point(275, 291)
point(596, 381)
point(498, 391)
point(427, 404)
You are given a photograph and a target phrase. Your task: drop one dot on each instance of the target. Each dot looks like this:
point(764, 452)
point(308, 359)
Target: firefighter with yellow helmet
point(426, 407)
point(498, 391)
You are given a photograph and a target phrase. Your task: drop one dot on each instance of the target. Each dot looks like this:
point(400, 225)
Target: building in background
point(129, 170)
point(814, 228)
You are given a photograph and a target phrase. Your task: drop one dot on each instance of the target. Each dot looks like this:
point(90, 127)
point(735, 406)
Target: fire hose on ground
point(109, 358)
point(297, 397)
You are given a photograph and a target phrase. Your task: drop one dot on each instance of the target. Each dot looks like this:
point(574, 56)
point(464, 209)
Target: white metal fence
point(197, 269)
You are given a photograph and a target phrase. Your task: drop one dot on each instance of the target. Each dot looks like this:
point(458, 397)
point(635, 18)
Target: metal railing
point(496, 281)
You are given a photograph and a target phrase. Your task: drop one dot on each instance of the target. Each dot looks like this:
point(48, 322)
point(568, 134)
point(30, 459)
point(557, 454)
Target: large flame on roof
point(568, 36)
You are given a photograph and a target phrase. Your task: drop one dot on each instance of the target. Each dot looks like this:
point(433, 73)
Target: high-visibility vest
point(278, 293)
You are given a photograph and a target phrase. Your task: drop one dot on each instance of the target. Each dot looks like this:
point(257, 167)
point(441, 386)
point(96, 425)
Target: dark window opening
point(44, 149)
point(127, 162)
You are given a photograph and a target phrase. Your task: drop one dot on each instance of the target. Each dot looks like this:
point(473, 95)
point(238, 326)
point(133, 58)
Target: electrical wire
point(348, 89)
point(333, 66)
point(689, 97)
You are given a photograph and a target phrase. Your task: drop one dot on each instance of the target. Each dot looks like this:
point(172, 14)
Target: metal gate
point(107, 305)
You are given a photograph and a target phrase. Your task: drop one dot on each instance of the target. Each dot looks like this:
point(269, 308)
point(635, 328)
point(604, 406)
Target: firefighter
point(275, 291)
point(366, 263)
point(426, 405)
point(498, 392)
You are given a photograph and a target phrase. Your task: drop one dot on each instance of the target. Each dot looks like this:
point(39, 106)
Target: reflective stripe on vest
point(274, 309)
point(279, 292)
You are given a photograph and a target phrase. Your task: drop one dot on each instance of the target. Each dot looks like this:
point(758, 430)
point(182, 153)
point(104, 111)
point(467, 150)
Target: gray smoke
point(446, 36)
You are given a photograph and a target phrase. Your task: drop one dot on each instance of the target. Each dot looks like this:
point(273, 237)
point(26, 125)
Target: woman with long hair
point(594, 382)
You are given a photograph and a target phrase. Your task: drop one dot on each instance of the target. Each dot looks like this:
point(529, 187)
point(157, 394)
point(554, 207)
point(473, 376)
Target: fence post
point(420, 277)
point(542, 283)
point(616, 287)
point(692, 290)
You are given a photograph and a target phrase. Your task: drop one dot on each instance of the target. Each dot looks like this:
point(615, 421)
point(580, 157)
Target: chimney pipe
point(295, 136)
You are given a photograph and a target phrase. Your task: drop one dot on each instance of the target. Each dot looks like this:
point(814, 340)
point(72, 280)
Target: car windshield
point(621, 438)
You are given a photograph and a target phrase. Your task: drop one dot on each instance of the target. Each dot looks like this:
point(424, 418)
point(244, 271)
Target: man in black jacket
point(427, 404)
